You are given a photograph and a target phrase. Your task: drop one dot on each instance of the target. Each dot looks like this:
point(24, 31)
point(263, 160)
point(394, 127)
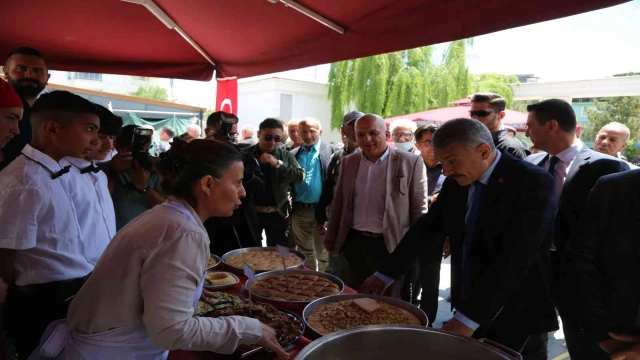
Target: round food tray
point(221, 287)
point(335, 298)
point(297, 305)
point(240, 271)
point(218, 262)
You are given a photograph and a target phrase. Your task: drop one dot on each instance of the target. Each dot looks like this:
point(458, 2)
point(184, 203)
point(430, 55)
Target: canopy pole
point(169, 23)
point(315, 16)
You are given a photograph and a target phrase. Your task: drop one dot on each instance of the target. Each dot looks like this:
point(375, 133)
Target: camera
point(141, 138)
point(225, 122)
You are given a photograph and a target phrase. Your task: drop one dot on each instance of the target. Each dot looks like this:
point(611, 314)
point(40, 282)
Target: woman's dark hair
point(186, 163)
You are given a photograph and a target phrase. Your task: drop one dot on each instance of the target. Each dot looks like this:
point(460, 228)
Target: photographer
point(242, 229)
point(133, 182)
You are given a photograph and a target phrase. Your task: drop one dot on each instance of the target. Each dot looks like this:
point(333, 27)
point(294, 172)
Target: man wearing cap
point(511, 131)
point(336, 263)
point(27, 73)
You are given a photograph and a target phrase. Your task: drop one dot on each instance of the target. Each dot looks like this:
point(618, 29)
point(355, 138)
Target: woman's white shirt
point(148, 275)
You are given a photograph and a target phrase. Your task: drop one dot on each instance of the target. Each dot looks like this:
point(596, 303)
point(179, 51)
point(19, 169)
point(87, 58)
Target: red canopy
point(250, 37)
point(439, 116)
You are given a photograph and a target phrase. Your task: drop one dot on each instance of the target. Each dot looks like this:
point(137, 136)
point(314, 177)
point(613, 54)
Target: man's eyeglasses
point(407, 135)
point(269, 138)
point(426, 143)
point(480, 113)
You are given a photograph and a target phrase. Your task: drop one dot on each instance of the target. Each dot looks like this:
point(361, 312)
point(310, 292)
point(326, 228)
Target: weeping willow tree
point(495, 83)
point(407, 81)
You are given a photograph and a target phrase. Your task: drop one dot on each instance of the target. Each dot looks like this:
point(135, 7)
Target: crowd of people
point(113, 234)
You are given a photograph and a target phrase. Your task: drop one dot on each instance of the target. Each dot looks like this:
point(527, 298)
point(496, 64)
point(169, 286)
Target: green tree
point(153, 92)
point(623, 109)
point(495, 83)
point(408, 81)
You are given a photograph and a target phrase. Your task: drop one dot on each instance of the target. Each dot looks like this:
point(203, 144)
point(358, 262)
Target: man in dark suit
point(497, 212)
point(429, 263)
point(313, 156)
point(605, 258)
point(551, 125)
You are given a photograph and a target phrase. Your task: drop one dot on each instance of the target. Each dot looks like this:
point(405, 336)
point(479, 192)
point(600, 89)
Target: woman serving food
point(139, 301)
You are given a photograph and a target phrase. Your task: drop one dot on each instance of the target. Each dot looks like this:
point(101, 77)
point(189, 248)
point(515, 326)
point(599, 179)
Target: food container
point(218, 262)
point(402, 342)
point(291, 304)
point(285, 347)
point(335, 298)
point(221, 287)
point(240, 271)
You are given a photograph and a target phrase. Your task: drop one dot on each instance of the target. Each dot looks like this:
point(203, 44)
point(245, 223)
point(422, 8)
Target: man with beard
point(488, 108)
point(26, 71)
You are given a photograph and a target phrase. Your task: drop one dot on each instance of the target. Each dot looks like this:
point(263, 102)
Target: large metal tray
point(294, 304)
point(383, 342)
point(335, 298)
point(240, 271)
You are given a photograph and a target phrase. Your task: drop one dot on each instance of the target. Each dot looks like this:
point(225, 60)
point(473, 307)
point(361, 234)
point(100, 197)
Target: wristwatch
point(279, 164)
point(144, 191)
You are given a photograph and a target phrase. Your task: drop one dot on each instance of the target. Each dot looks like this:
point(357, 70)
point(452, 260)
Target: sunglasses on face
point(269, 138)
point(481, 113)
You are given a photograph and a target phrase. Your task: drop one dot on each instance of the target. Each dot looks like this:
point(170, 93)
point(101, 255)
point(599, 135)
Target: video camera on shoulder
point(139, 147)
point(226, 122)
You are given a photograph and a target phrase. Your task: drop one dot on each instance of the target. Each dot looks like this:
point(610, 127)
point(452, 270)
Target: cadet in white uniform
point(89, 190)
point(42, 252)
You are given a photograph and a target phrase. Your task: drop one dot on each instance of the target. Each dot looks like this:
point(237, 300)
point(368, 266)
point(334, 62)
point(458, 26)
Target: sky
point(587, 46)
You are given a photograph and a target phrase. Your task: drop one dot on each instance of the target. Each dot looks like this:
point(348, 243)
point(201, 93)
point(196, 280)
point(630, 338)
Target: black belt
point(367, 233)
point(305, 205)
point(64, 289)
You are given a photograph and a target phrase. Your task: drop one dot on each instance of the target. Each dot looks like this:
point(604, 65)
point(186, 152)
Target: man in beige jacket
point(380, 193)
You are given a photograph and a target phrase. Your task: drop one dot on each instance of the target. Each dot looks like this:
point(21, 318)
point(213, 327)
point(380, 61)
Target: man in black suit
point(551, 125)
point(605, 258)
point(497, 212)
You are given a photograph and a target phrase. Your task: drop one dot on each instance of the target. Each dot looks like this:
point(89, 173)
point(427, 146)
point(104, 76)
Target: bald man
point(381, 192)
point(612, 140)
point(313, 156)
point(194, 131)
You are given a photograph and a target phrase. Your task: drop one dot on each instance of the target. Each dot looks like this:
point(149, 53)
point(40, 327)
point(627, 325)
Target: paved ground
point(557, 350)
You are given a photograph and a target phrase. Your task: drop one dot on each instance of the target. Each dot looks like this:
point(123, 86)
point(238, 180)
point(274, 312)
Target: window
point(89, 76)
point(286, 106)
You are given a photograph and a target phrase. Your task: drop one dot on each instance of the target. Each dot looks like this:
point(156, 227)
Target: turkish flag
point(227, 95)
